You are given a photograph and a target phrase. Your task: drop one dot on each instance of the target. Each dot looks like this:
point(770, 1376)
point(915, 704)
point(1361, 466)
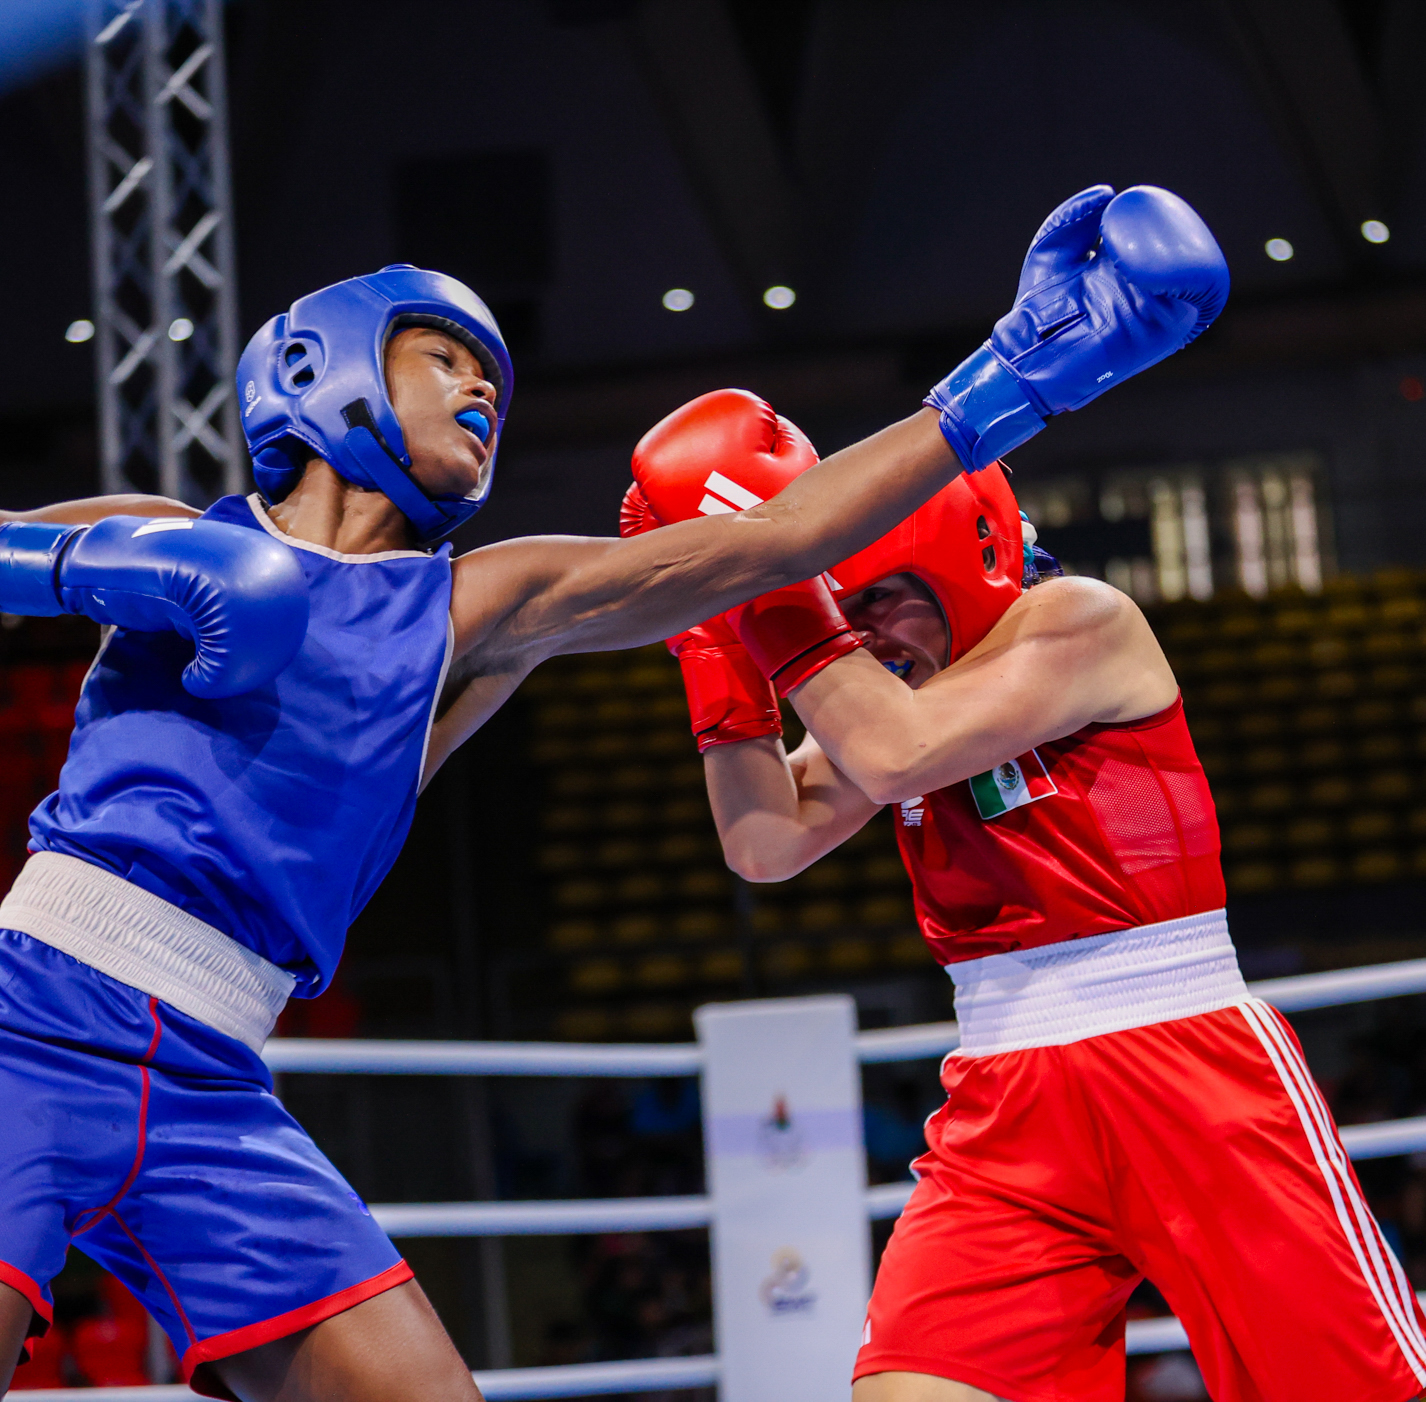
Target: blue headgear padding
point(312, 383)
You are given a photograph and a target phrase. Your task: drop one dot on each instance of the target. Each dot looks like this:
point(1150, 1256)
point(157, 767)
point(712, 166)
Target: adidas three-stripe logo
point(727, 491)
point(740, 498)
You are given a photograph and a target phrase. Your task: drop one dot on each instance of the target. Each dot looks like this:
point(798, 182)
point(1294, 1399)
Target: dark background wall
point(575, 158)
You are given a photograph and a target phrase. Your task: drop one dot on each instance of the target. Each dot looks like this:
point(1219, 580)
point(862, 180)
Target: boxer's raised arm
point(87, 510)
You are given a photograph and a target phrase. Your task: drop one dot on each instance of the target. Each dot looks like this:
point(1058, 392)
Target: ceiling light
point(779, 298)
point(1279, 250)
point(78, 331)
point(677, 299)
point(180, 329)
point(1374, 231)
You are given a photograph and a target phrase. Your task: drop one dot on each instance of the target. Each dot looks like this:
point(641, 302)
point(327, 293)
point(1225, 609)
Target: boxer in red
point(1119, 1106)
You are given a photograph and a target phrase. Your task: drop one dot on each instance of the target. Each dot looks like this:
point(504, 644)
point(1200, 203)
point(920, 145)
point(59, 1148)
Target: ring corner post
point(787, 1174)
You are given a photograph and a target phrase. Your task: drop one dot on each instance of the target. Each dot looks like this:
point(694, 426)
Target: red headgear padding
point(964, 545)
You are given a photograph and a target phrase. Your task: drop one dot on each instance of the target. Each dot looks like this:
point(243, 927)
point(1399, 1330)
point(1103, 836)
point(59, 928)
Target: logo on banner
point(785, 1291)
point(780, 1140)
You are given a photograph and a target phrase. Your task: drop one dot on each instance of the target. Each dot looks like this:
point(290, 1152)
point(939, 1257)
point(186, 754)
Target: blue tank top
point(272, 816)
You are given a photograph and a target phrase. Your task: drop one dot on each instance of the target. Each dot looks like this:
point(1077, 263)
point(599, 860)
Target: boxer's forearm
point(776, 817)
point(855, 496)
point(87, 510)
point(1069, 653)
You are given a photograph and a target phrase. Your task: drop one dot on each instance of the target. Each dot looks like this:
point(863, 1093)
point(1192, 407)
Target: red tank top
point(1114, 828)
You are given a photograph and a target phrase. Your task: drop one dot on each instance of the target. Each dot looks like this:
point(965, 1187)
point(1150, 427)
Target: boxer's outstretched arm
point(88, 510)
point(523, 600)
point(778, 813)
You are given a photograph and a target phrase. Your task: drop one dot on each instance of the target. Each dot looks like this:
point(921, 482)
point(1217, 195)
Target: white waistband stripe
point(147, 943)
point(1061, 993)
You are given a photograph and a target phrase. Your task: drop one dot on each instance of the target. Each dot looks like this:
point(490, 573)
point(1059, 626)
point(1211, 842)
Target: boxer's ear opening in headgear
point(964, 545)
point(303, 375)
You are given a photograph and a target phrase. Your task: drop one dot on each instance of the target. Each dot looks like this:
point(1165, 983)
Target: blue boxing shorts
point(155, 1144)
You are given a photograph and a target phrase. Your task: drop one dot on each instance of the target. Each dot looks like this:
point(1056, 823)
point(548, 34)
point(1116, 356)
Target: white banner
point(787, 1173)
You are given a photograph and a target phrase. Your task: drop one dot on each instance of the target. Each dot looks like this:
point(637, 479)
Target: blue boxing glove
point(1111, 285)
point(239, 595)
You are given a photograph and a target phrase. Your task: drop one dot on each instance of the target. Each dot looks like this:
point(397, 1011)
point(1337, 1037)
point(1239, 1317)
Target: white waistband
point(149, 944)
point(1065, 992)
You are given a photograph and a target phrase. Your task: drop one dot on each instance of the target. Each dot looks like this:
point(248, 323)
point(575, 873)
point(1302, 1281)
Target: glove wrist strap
point(30, 553)
point(985, 410)
point(809, 663)
point(729, 699)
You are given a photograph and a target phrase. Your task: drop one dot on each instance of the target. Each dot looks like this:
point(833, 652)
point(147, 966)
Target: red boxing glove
point(634, 515)
point(721, 452)
point(728, 698)
point(793, 633)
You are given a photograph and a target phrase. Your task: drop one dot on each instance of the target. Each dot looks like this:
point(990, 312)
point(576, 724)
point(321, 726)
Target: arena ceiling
point(577, 159)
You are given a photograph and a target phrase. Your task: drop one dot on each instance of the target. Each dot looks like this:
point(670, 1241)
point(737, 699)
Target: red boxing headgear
point(964, 545)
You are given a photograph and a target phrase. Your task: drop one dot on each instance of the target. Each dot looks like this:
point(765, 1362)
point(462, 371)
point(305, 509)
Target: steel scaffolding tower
point(162, 234)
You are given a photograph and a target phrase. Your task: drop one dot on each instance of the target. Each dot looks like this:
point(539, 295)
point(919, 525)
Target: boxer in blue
point(278, 678)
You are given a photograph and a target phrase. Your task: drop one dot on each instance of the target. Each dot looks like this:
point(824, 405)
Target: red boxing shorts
point(1195, 1151)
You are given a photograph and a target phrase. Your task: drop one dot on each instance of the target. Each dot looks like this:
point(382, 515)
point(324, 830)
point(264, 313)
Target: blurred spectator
point(666, 1137)
point(894, 1130)
point(649, 1296)
point(602, 1138)
point(100, 1338)
point(335, 1012)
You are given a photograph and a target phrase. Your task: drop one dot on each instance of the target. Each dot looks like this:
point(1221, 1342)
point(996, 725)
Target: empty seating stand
point(1310, 718)
point(643, 920)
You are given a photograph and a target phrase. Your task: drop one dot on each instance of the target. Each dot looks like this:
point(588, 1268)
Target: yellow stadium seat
point(596, 977)
point(662, 971)
point(635, 929)
point(569, 935)
point(721, 966)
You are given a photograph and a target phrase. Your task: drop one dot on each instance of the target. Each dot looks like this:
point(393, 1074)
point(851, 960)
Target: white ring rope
point(884, 1201)
point(502, 1385)
point(591, 1215)
point(686, 1059)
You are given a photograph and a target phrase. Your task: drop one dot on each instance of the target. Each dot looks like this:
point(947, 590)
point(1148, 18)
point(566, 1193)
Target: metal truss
point(162, 235)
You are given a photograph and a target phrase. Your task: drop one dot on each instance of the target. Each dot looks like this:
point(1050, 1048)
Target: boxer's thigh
point(237, 1231)
point(1238, 1201)
point(1001, 1274)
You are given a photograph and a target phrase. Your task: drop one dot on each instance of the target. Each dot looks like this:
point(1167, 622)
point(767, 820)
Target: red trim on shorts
point(16, 1279)
point(279, 1327)
point(157, 1270)
point(97, 1214)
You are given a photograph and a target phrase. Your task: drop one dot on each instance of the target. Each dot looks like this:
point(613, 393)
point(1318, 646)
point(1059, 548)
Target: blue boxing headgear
point(312, 383)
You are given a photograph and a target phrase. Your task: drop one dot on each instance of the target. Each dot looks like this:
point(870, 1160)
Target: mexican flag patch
point(1011, 785)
